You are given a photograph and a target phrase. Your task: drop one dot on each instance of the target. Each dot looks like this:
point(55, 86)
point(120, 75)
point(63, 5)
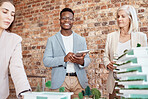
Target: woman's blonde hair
point(130, 10)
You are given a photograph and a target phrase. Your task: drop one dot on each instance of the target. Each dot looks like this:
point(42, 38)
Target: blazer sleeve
point(106, 58)
point(86, 58)
point(49, 60)
point(145, 40)
point(17, 70)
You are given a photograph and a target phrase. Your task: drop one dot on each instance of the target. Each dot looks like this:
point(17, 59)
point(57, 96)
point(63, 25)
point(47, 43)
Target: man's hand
point(71, 57)
point(110, 66)
point(68, 57)
point(78, 60)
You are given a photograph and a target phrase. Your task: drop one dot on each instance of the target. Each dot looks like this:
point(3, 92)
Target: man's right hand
point(110, 66)
point(68, 56)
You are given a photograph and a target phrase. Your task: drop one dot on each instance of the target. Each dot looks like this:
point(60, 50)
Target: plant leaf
point(38, 89)
point(125, 51)
point(80, 95)
point(48, 84)
point(62, 89)
point(87, 91)
point(96, 93)
point(138, 45)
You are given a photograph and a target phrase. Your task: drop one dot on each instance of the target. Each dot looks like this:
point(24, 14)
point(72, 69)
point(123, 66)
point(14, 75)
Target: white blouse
point(121, 47)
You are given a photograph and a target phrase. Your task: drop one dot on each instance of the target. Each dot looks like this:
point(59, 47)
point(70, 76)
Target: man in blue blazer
point(67, 68)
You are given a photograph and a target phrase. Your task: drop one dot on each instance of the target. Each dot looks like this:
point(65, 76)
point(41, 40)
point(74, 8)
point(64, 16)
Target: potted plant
point(93, 93)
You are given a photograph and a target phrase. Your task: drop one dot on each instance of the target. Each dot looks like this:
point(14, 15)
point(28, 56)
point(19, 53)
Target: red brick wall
point(36, 20)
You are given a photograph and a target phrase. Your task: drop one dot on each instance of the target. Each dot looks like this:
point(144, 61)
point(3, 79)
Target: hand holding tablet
point(80, 53)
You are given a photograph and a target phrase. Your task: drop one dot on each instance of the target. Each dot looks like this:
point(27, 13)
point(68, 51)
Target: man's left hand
point(78, 60)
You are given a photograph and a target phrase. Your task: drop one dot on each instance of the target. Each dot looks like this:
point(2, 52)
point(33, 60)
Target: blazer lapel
point(60, 40)
point(75, 42)
point(132, 39)
point(116, 43)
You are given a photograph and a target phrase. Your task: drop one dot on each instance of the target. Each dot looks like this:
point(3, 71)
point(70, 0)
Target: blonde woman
point(10, 53)
point(125, 38)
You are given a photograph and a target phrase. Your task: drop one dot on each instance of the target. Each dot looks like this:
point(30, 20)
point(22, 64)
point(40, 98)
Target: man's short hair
point(65, 10)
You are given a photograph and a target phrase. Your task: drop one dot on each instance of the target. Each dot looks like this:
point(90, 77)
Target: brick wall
point(36, 20)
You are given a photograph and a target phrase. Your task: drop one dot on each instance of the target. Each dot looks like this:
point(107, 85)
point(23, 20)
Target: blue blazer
point(54, 57)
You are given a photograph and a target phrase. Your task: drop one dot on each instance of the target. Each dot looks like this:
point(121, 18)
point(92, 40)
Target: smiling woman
point(10, 53)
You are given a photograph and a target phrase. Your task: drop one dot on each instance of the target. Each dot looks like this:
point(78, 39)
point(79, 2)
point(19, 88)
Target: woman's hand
point(110, 66)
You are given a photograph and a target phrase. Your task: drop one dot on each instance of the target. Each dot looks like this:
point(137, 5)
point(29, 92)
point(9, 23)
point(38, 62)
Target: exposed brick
point(143, 29)
point(141, 10)
point(103, 7)
point(111, 22)
point(104, 23)
point(97, 0)
point(144, 5)
point(101, 46)
point(38, 63)
point(84, 34)
point(97, 24)
point(110, 14)
point(115, 1)
point(117, 5)
point(19, 24)
point(33, 47)
point(104, 32)
point(78, 3)
point(110, 5)
point(97, 7)
point(102, 14)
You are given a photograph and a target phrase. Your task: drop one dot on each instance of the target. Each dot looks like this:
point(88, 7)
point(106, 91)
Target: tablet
point(80, 53)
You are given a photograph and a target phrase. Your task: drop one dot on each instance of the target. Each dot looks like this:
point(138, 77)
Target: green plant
point(48, 84)
point(138, 45)
point(96, 93)
point(83, 92)
point(127, 71)
point(123, 63)
point(80, 95)
point(61, 89)
point(125, 51)
point(130, 80)
point(90, 93)
point(38, 88)
point(87, 91)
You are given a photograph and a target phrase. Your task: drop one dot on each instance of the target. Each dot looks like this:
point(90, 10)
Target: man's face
point(66, 20)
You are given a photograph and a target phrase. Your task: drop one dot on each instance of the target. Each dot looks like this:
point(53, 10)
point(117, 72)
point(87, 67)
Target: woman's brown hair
point(11, 1)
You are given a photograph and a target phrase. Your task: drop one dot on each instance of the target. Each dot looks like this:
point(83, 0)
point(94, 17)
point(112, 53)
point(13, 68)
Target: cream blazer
point(111, 52)
point(11, 57)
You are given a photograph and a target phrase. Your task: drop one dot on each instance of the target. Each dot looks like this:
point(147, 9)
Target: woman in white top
point(126, 38)
point(10, 53)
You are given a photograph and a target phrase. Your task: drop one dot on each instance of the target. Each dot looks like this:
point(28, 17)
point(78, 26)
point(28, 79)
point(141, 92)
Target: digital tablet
point(80, 53)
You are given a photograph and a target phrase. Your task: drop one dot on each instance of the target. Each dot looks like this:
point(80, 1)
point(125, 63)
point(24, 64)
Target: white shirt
point(123, 46)
point(68, 43)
